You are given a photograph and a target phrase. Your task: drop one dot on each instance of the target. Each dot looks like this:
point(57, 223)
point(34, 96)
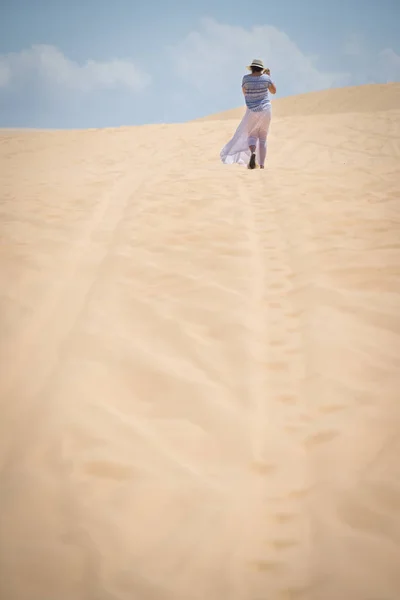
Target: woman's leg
point(252, 139)
point(252, 144)
point(262, 137)
point(263, 151)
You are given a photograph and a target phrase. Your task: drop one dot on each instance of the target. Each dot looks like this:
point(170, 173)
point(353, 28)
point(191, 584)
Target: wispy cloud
point(389, 65)
point(41, 86)
point(368, 65)
point(4, 74)
point(48, 68)
point(216, 53)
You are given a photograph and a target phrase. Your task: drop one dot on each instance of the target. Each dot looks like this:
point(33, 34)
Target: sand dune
point(200, 365)
point(360, 99)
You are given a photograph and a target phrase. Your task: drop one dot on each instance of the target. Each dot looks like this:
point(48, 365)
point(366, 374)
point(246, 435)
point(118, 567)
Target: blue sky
point(101, 63)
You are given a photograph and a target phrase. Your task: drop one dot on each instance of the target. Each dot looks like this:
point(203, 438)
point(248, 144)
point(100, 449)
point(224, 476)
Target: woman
point(242, 148)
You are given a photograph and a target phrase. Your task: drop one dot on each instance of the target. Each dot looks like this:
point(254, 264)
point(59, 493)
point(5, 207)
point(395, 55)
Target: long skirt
point(254, 126)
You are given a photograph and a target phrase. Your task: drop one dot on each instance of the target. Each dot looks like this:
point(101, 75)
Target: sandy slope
point(361, 99)
point(200, 365)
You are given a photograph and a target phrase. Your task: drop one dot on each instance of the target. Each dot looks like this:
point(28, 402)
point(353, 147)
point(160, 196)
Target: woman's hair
point(256, 69)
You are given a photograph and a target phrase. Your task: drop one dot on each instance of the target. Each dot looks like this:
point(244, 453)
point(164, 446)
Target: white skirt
point(253, 125)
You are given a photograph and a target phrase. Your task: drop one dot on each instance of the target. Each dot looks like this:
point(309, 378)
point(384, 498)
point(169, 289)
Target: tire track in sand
point(62, 303)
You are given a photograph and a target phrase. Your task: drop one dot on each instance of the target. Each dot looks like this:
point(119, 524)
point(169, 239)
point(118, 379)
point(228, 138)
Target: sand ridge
point(199, 372)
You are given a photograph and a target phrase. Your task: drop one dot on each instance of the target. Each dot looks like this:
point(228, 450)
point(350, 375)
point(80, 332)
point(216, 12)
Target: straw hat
point(256, 63)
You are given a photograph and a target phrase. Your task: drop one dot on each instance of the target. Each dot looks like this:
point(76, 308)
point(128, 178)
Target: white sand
point(200, 364)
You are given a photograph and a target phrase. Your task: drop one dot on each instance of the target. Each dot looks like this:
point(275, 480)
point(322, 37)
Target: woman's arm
point(271, 86)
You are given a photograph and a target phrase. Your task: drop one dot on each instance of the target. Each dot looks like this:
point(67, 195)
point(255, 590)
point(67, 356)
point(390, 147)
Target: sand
point(200, 364)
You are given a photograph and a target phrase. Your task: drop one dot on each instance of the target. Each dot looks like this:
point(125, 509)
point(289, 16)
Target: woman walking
point(249, 144)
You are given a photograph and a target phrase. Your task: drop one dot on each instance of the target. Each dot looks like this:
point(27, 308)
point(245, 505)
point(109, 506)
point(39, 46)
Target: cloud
point(47, 67)
point(389, 65)
point(211, 60)
point(41, 87)
point(217, 53)
point(4, 74)
point(369, 65)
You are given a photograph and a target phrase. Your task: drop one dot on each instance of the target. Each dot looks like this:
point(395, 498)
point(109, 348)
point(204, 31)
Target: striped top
point(256, 92)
